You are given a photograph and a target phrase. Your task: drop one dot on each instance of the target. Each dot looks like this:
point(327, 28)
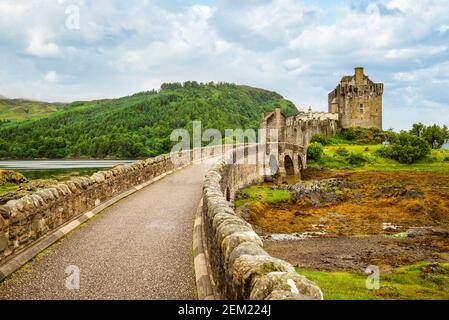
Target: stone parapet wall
point(240, 267)
point(304, 116)
point(24, 221)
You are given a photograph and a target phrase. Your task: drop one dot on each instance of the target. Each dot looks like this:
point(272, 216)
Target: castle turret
point(358, 101)
point(359, 76)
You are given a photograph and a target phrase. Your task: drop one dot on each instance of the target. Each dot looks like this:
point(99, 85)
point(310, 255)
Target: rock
point(85, 182)
point(269, 179)
point(290, 284)
point(427, 231)
point(225, 230)
point(55, 193)
point(12, 177)
point(38, 199)
point(248, 267)
point(3, 241)
point(5, 212)
point(393, 191)
point(440, 232)
point(108, 174)
point(63, 189)
point(46, 195)
point(345, 257)
point(413, 193)
point(244, 248)
point(285, 295)
point(444, 256)
point(17, 218)
point(72, 186)
point(97, 177)
point(418, 232)
point(221, 220)
point(30, 203)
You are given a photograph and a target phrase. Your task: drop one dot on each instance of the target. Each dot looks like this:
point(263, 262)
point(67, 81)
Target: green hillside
point(20, 109)
point(138, 125)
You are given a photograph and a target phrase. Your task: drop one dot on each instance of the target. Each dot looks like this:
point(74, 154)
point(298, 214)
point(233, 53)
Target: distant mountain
point(22, 109)
point(139, 125)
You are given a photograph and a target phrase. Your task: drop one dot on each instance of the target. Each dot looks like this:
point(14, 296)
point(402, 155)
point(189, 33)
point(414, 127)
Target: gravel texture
point(140, 248)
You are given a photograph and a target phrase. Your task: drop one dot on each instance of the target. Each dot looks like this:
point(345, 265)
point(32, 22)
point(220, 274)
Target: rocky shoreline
point(348, 221)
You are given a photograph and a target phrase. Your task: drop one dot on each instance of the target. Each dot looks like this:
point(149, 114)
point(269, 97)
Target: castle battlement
point(358, 101)
point(305, 116)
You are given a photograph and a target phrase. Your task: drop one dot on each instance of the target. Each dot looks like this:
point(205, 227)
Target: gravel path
point(140, 248)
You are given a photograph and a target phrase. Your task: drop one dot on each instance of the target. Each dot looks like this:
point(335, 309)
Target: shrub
point(315, 151)
point(342, 152)
point(364, 135)
point(446, 159)
point(356, 159)
point(320, 139)
point(407, 148)
point(348, 134)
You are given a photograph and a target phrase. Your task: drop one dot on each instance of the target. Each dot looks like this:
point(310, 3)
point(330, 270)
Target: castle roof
point(350, 78)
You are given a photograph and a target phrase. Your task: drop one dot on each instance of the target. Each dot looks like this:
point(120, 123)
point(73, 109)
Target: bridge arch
point(289, 166)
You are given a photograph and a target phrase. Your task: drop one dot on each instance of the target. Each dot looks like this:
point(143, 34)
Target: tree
point(436, 136)
point(417, 129)
point(139, 125)
point(407, 148)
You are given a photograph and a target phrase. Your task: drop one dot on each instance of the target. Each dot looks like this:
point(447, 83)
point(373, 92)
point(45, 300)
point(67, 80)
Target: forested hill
point(138, 125)
point(21, 109)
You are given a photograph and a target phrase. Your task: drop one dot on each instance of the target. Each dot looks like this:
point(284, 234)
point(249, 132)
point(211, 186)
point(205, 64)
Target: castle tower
point(358, 101)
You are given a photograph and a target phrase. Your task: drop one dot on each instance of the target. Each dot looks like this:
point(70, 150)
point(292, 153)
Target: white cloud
point(405, 76)
point(293, 47)
point(51, 76)
point(39, 46)
point(444, 28)
point(9, 9)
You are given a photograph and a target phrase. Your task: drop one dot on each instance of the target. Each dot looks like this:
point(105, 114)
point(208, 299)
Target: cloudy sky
point(84, 49)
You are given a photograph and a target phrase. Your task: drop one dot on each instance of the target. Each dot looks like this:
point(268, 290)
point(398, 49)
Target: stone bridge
point(287, 137)
point(139, 244)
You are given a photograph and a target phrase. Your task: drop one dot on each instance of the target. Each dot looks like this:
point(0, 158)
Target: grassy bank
point(364, 158)
point(254, 194)
point(422, 281)
point(7, 187)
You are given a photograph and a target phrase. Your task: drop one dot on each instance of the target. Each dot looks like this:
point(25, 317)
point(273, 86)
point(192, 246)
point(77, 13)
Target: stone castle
point(358, 101)
point(355, 102)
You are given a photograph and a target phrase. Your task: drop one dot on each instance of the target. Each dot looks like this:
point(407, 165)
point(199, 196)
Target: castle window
point(362, 108)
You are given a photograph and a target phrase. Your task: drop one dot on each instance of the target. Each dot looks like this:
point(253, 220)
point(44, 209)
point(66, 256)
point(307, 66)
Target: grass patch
point(20, 110)
point(44, 252)
point(364, 158)
point(421, 281)
point(267, 195)
point(7, 187)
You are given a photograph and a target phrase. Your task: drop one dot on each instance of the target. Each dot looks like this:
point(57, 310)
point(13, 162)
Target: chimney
point(277, 111)
point(359, 75)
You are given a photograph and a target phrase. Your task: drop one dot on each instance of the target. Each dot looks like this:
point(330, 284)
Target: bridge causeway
point(140, 248)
